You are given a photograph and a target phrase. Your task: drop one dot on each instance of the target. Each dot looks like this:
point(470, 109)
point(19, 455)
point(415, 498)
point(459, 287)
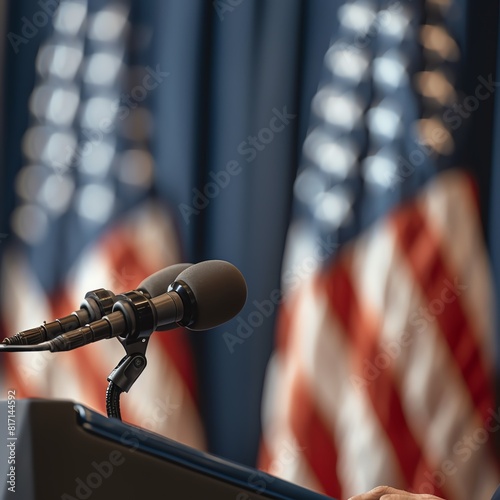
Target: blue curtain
point(234, 69)
point(229, 121)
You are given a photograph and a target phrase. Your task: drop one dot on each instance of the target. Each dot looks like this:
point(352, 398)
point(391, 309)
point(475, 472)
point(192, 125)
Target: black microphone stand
point(125, 374)
point(137, 310)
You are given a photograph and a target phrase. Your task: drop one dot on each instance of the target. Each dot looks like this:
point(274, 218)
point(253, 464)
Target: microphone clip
point(126, 372)
point(139, 313)
point(137, 310)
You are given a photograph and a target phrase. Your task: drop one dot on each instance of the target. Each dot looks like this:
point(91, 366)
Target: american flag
point(382, 372)
point(86, 217)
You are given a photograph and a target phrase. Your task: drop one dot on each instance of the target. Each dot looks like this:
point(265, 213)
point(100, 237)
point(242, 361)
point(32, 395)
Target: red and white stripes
point(382, 374)
point(164, 397)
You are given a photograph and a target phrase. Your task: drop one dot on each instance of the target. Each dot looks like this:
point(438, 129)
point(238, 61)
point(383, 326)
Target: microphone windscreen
point(219, 292)
point(158, 283)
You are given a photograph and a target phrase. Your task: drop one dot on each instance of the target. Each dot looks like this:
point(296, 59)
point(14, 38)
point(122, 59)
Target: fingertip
point(374, 494)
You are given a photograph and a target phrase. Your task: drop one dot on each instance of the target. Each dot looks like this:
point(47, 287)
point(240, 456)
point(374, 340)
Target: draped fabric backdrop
point(137, 134)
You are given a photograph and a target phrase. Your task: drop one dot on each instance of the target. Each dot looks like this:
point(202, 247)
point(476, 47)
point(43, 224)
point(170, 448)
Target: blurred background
point(342, 154)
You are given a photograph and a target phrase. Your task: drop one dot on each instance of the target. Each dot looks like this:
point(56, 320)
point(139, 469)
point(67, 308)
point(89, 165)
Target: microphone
point(157, 283)
point(97, 304)
point(202, 296)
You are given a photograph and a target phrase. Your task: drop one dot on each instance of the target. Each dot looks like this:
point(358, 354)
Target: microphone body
point(203, 296)
point(130, 310)
point(97, 304)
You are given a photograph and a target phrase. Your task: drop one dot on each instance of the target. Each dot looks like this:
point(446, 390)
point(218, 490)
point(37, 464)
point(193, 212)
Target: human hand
point(388, 493)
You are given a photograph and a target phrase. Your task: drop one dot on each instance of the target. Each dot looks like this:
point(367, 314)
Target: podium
point(60, 450)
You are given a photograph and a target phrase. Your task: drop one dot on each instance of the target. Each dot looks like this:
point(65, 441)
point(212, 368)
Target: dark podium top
point(62, 450)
